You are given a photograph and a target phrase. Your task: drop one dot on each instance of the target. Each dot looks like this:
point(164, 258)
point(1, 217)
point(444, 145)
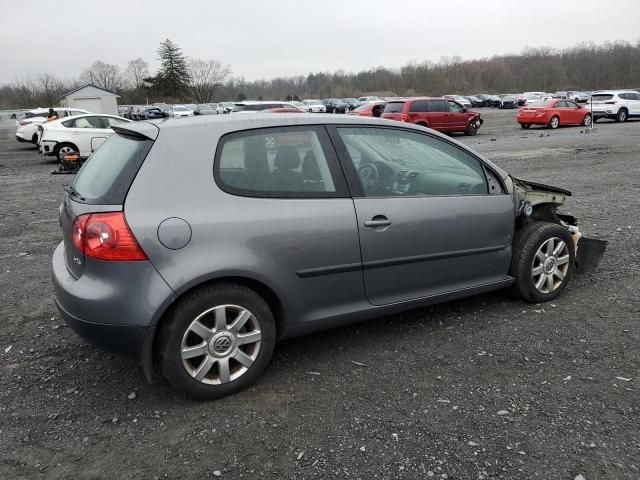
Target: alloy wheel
point(550, 265)
point(221, 344)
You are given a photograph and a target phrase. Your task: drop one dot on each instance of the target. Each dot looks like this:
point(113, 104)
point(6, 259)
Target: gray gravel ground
point(487, 387)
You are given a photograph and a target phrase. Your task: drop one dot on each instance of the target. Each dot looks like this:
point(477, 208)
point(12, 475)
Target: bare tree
point(137, 70)
point(103, 75)
point(206, 77)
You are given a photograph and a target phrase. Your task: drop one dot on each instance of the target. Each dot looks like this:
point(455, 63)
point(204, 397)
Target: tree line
point(586, 66)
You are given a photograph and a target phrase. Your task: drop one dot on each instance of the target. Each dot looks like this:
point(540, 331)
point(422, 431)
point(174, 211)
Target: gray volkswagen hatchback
point(193, 245)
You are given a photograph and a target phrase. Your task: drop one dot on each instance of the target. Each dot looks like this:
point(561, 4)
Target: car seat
point(285, 177)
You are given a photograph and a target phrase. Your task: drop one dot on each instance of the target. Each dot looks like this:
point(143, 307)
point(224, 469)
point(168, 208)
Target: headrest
point(287, 158)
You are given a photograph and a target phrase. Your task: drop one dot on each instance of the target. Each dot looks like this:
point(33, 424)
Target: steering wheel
point(369, 176)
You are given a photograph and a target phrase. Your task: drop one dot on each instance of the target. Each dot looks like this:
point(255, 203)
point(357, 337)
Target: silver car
point(194, 245)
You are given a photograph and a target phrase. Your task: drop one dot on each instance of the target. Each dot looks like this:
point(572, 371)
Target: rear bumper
point(125, 340)
point(115, 307)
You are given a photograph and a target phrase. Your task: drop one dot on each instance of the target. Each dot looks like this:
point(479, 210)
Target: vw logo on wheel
point(221, 344)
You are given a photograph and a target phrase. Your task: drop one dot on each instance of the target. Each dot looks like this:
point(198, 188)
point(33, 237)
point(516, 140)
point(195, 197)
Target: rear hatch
point(100, 186)
point(393, 110)
point(601, 101)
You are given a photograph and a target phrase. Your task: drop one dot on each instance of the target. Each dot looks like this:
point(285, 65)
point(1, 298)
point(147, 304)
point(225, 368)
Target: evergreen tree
point(172, 79)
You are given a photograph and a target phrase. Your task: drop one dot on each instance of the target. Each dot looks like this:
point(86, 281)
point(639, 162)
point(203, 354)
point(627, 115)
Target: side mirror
point(464, 110)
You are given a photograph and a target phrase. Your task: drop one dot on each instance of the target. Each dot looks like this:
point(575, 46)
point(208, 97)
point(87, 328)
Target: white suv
point(28, 126)
point(615, 104)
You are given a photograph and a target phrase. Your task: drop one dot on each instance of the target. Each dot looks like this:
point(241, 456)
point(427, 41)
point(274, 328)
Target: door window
point(280, 162)
point(396, 163)
point(87, 122)
point(111, 121)
point(438, 106)
point(455, 107)
point(419, 106)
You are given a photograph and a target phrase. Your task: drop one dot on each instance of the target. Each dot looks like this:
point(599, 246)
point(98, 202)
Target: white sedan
point(28, 127)
point(81, 133)
point(182, 111)
point(315, 106)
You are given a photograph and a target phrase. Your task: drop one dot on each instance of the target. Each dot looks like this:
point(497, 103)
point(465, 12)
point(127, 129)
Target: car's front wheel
point(554, 122)
point(586, 122)
point(472, 129)
point(525, 125)
point(542, 262)
point(217, 341)
point(64, 149)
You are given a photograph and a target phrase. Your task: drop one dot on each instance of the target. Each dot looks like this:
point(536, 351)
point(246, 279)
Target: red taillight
point(106, 236)
point(404, 117)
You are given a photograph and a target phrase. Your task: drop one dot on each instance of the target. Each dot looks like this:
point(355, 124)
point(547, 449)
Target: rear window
point(394, 107)
point(601, 97)
point(106, 176)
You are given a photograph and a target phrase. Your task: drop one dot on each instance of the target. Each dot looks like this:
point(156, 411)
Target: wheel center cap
point(221, 344)
point(549, 265)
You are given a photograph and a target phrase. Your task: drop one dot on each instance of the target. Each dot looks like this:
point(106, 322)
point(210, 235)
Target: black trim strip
point(352, 267)
point(319, 271)
point(431, 256)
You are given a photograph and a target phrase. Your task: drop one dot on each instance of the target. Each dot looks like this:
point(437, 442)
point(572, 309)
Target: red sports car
point(369, 110)
point(554, 113)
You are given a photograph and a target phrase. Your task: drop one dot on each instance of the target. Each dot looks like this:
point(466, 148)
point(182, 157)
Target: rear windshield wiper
point(73, 192)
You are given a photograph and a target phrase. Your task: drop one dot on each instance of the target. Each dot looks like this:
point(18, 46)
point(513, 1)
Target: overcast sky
point(269, 38)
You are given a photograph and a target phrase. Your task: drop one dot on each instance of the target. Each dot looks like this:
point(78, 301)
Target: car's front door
point(427, 224)
point(439, 115)
point(458, 116)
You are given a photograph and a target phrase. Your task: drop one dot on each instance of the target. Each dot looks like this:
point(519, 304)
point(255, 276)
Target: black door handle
point(377, 222)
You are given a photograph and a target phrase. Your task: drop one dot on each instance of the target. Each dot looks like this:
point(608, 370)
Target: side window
point(624, 96)
point(561, 104)
point(396, 163)
point(110, 122)
point(455, 107)
point(419, 106)
point(83, 122)
point(438, 106)
point(280, 162)
point(571, 104)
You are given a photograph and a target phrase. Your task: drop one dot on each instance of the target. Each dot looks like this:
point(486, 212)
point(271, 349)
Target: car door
point(439, 115)
point(427, 224)
point(574, 113)
point(457, 116)
point(634, 104)
point(84, 130)
point(288, 204)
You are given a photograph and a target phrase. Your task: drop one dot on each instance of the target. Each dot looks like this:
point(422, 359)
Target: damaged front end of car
point(537, 202)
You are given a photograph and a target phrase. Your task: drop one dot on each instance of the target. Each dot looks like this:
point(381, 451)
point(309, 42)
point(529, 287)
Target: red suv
point(437, 113)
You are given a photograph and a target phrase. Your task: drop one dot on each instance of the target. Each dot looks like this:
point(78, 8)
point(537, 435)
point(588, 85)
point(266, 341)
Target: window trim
point(337, 175)
point(355, 186)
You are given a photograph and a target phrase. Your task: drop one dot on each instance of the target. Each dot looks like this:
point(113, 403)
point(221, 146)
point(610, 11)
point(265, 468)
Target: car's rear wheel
point(217, 341)
point(525, 125)
point(554, 122)
point(542, 262)
point(587, 120)
point(622, 115)
point(64, 149)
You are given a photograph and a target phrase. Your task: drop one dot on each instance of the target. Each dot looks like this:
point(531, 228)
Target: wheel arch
point(151, 345)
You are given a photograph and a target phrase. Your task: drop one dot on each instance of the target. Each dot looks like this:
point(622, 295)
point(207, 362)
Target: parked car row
point(618, 105)
point(27, 130)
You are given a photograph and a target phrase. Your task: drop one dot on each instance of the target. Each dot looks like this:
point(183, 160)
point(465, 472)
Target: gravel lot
point(487, 387)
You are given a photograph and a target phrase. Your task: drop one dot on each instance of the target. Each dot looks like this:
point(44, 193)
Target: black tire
point(586, 121)
point(189, 308)
point(527, 242)
point(34, 138)
point(472, 129)
point(525, 125)
point(64, 149)
point(622, 115)
point(554, 122)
